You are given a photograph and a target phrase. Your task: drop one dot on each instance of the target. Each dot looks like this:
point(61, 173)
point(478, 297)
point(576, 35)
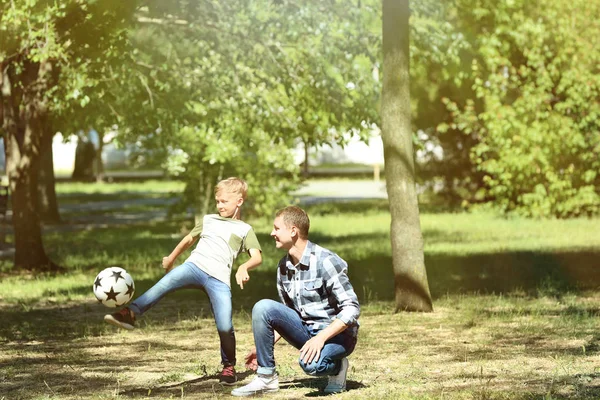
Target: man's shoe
point(123, 319)
point(228, 376)
point(337, 383)
point(261, 384)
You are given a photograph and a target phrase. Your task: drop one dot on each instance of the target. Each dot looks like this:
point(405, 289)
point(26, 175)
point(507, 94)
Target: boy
point(222, 238)
point(318, 311)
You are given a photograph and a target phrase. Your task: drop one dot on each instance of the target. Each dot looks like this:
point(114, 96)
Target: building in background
point(356, 153)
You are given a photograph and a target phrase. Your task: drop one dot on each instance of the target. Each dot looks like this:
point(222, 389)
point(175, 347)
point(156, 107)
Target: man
point(318, 311)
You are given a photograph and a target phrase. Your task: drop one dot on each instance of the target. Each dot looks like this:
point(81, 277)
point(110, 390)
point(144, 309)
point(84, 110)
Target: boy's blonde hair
point(295, 216)
point(232, 185)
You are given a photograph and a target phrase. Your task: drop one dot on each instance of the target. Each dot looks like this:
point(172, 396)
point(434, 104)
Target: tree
point(23, 138)
point(411, 286)
point(234, 94)
point(535, 105)
point(85, 158)
point(50, 54)
point(509, 90)
point(439, 58)
point(47, 202)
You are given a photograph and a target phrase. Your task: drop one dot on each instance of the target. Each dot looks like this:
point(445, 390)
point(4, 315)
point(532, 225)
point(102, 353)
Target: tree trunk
point(305, 167)
point(99, 163)
point(411, 286)
point(85, 153)
point(48, 205)
point(24, 114)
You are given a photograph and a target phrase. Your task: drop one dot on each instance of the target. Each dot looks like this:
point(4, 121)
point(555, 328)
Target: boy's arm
point(255, 260)
point(186, 242)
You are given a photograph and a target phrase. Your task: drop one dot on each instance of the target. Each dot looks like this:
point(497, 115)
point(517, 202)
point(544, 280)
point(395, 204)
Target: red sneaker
point(123, 319)
point(228, 376)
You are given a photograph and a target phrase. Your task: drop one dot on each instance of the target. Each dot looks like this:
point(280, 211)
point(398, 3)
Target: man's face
point(282, 234)
point(227, 203)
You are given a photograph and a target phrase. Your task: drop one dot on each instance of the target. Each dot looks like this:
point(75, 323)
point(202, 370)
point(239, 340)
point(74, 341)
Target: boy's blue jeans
point(269, 315)
point(188, 275)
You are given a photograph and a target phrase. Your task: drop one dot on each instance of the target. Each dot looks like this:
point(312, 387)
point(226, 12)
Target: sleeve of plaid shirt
point(338, 284)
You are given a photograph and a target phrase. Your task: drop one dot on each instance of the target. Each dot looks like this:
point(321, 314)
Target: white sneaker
point(337, 383)
point(261, 384)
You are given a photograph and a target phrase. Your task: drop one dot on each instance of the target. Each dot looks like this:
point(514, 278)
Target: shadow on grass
point(531, 272)
point(318, 384)
point(586, 387)
point(203, 384)
point(209, 384)
point(548, 273)
point(55, 367)
point(506, 342)
point(63, 367)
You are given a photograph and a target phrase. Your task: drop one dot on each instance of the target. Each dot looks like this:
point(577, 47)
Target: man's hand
point(251, 362)
point(167, 264)
point(241, 276)
point(312, 349)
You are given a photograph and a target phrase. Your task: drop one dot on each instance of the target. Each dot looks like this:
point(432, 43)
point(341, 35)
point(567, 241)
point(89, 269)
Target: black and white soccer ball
point(114, 287)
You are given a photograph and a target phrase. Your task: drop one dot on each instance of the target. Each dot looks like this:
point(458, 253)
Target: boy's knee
point(225, 330)
point(224, 326)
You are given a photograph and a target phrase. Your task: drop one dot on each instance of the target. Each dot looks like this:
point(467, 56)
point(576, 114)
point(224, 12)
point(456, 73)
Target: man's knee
point(313, 368)
point(261, 309)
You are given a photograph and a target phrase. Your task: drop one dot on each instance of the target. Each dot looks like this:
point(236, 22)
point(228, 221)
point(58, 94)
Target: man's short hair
point(233, 185)
point(295, 216)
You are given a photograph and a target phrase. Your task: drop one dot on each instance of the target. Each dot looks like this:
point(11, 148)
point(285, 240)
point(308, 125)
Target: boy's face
point(283, 234)
point(227, 203)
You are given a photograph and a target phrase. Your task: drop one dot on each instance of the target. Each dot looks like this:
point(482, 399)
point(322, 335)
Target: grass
point(95, 188)
point(79, 192)
point(515, 313)
point(471, 347)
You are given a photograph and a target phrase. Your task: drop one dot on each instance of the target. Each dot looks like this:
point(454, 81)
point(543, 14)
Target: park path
point(323, 191)
point(320, 191)
point(312, 192)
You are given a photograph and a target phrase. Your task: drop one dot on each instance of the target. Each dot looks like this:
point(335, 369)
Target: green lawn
point(79, 192)
point(515, 313)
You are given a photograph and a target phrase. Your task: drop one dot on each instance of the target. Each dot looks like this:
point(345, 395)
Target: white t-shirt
point(221, 241)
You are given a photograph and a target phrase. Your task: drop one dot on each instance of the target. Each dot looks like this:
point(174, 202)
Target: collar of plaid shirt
point(308, 256)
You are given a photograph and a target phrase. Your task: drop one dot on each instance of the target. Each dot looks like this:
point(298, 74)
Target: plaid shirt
point(318, 288)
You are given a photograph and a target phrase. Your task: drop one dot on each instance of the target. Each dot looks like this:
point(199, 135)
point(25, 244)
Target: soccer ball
point(114, 287)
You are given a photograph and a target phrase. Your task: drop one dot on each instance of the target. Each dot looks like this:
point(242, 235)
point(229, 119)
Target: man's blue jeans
point(269, 315)
point(188, 275)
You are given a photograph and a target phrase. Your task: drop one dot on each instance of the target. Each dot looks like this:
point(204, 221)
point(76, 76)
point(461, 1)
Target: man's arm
point(312, 348)
point(338, 284)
